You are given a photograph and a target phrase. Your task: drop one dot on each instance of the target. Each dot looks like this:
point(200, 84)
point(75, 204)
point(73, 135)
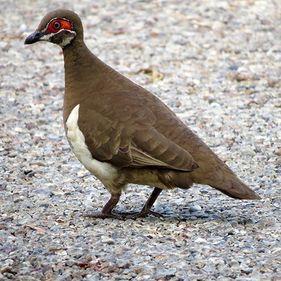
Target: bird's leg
point(147, 206)
point(150, 201)
point(107, 209)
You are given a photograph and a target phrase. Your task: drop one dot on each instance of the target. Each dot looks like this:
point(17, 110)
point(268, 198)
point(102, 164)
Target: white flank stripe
point(103, 171)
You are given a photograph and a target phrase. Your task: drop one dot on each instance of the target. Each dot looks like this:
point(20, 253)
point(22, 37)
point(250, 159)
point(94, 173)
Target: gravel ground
point(217, 64)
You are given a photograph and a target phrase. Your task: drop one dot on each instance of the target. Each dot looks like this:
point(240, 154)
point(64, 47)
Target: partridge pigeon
point(124, 134)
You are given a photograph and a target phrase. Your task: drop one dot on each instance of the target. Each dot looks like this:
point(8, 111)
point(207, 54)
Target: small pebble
point(195, 208)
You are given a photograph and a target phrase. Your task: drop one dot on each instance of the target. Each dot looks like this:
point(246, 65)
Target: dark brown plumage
point(121, 132)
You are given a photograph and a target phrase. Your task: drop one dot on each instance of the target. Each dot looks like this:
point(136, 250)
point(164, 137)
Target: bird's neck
point(83, 73)
point(80, 64)
point(87, 76)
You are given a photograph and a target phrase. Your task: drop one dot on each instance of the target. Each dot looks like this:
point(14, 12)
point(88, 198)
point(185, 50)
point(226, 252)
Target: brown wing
point(150, 146)
point(126, 137)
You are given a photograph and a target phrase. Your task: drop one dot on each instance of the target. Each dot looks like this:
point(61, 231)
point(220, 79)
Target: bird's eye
point(56, 25)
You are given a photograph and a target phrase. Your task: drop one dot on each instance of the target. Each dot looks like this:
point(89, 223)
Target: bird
point(122, 133)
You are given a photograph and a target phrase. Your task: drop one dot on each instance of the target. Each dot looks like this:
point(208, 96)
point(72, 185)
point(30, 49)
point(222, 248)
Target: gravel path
point(218, 65)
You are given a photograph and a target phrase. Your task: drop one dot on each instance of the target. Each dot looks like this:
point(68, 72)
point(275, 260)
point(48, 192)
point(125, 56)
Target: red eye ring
point(57, 24)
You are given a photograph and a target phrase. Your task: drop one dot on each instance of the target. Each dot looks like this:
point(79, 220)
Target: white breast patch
point(103, 171)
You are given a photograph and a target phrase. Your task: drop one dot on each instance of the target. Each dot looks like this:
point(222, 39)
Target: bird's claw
point(100, 215)
point(123, 216)
point(142, 214)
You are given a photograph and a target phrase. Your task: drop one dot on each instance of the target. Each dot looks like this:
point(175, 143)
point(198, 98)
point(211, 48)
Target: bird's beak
point(33, 37)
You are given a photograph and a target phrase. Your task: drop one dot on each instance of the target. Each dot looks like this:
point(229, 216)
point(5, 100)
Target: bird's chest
point(105, 172)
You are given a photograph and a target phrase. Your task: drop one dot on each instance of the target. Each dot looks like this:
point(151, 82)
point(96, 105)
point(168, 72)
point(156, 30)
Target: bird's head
point(60, 27)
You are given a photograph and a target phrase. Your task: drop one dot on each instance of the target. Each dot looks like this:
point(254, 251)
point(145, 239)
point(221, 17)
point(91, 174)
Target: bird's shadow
point(231, 211)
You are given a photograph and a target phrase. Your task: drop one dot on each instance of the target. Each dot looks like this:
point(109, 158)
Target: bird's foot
point(142, 214)
point(122, 216)
point(101, 215)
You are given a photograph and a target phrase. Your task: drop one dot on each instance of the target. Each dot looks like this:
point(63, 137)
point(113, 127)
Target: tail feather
point(214, 172)
point(221, 177)
point(235, 188)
